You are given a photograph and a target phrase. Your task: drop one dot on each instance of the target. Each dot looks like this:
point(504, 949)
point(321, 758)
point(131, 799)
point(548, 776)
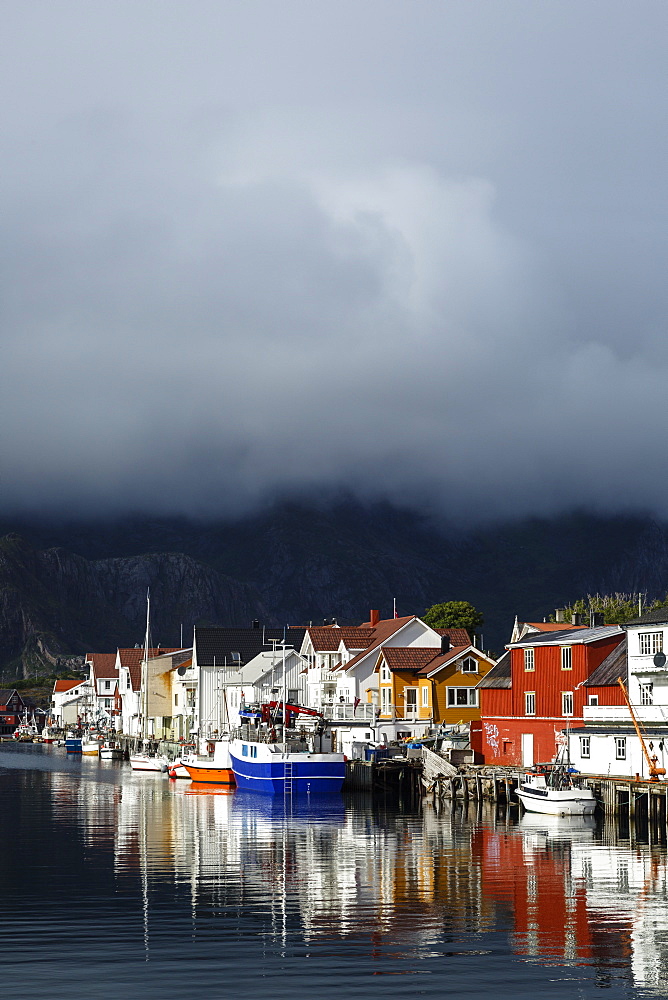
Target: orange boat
point(215, 768)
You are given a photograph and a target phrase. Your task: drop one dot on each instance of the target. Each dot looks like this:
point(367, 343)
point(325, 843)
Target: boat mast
point(144, 718)
point(285, 715)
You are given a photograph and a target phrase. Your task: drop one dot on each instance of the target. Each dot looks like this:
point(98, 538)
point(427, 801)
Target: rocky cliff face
point(70, 588)
point(54, 603)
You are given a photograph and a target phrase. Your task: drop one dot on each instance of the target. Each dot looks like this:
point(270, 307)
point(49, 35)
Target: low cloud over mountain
point(407, 251)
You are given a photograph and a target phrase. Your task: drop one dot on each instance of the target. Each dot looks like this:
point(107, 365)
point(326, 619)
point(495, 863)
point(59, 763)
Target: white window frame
point(650, 643)
point(529, 659)
point(646, 693)
point(566, 657)
point(620, 747)
point(385, 701)
point(471, 697)
point(585, 747)
point(425, 696)
point(414, 704)
point(529, 702)
point(592, 699)
point(567, 703)
point(385, 674)
point(469, 670)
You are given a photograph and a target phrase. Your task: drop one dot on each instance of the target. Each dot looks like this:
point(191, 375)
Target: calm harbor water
point(118, 884)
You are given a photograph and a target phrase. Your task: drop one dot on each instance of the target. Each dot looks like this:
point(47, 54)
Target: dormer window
point(385, 674)
point(469, 665)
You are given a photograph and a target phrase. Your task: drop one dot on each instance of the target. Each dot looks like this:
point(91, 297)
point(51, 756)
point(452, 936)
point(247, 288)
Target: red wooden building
point(11, 707)
point(538, 687)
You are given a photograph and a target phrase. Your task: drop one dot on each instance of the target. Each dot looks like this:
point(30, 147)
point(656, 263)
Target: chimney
point(560, 615)
point(576, 619)
point(374, 617)
point(445, 644)
point(597, 619)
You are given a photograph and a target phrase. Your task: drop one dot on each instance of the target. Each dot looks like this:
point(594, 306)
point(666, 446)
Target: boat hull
point(73, 744)
point(272, 773)
point(571, 802)
point(142, 762)
point(210, 775)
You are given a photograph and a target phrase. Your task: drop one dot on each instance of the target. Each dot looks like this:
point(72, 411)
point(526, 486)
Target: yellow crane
point(654, 771)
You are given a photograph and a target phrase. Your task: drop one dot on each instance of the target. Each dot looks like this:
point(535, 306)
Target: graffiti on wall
point(492, 736)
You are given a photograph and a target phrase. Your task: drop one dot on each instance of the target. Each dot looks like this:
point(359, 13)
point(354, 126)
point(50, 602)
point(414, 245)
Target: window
point(244, 750)
point(385, 674)
point(253, 751)
point(650, 643)
point(411, 699)
point(566, 657)
point(176, 701)
point(127, 681)
point(585, 746)
point(107, 685)
point(385, 700)
point(566, 702)
point(620, 747)
point(462, 697)
point(647, 693)
point(470, 666)
point(107, 702)
point(529, 662)
point(529, 702)
point(425, 696)
point(593, 699)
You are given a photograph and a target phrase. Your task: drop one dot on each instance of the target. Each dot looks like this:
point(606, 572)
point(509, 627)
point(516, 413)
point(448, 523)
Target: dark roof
point(568, 637)
point(221, 642)
point(499, 676)
point(6, 693)
point(612, 667)
point(657, 617)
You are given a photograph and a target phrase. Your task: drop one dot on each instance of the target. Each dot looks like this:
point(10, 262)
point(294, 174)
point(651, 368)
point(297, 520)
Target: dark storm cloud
point(410, 250)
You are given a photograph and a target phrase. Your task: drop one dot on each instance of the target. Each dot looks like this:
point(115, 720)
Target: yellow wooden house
point(430, 686)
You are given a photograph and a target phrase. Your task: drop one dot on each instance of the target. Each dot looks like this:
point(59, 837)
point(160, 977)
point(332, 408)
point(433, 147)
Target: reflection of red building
point(532, 875)
point(540, 684)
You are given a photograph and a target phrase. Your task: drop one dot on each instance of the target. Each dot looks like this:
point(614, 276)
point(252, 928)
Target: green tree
point(617, 608)
point(454, 614)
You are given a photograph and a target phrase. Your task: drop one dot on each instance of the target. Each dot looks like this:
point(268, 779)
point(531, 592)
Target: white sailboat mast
point(144, 684)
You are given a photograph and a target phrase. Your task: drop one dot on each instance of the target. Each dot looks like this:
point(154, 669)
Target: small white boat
point(176, 769)
point(147, 760)
point(110, 750)
point(90, 747)
point(554, 794)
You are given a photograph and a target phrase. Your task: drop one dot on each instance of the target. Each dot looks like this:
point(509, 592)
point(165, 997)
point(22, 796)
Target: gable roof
point(499, 676)
point(65, 685)
point(408, 657)
point(6, 694)
point(657, 617)
point(328, 638)
point(568, 637)
point(220, 642)
point(613, 666)
point(104, 664)
point(131, 659)
point(381, 633)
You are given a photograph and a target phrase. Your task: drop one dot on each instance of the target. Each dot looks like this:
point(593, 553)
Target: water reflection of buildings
point(395, 884)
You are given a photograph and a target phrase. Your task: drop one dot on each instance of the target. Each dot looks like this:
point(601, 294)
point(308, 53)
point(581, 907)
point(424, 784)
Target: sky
point(407, 249)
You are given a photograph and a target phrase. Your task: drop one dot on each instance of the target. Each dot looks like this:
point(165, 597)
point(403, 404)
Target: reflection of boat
point(554, 793)
point(568, 826)
point(215, 768)
point(145, 759)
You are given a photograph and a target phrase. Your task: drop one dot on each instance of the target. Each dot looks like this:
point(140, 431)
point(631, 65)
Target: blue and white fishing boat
point(286, 768)
point(73, 742)
point(301, 762)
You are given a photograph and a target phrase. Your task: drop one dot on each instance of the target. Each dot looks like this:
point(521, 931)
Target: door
point(411, 701)
point(527, 749)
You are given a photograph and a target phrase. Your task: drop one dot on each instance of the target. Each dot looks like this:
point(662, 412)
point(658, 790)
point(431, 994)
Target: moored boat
point(73, 742)
point(213, 768)
point(302, 762)
point(111, 750)
point(147, 760)
point(90, 747)
point(554, 793)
